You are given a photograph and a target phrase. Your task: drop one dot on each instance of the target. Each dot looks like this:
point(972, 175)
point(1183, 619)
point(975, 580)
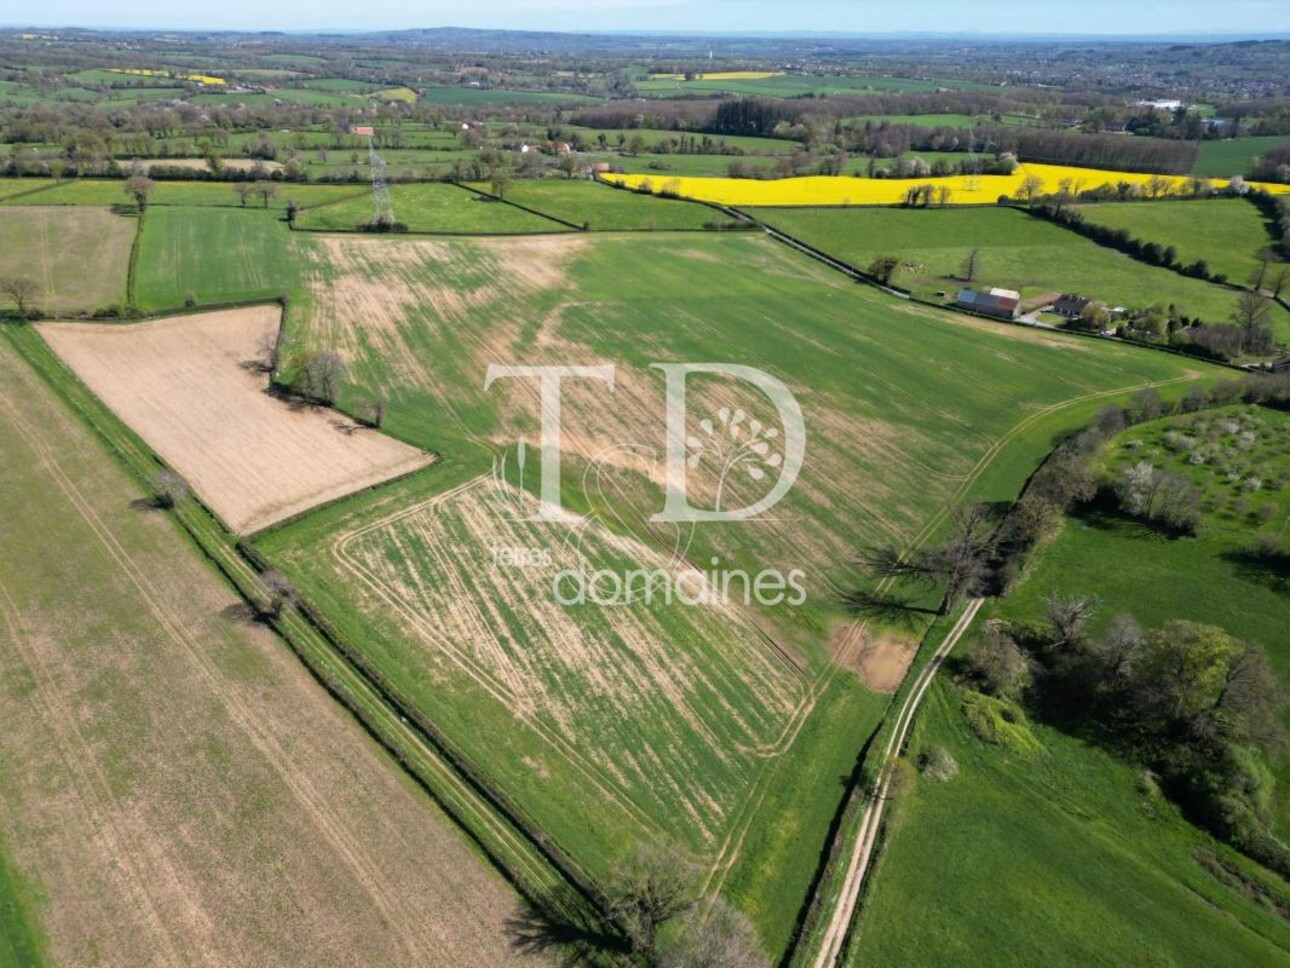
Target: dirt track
point(182, 384)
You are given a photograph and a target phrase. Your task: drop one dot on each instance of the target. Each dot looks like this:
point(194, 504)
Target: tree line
point(1106, 151)
point(1197, 707)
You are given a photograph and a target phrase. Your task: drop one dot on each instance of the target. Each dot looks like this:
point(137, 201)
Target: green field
point(101, 192)
point(432, 208)
point(1017, 252)
point(77, 258)
point(1209, 579)
point(797, 85)
point(1225, 232)
point(455, 96)
point(1055, 858)
point(884, 389)
point(21, 942)
point(923, 120)
point(602, 208)
point(1223, 159)
point(217, 255)
point(652, 137)
point(1116, 866)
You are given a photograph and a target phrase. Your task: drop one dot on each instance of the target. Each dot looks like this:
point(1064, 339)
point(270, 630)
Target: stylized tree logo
point(734, 444)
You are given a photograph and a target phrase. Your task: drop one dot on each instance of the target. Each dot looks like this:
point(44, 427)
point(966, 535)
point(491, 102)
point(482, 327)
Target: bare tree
point(168, 489)
point(1253, 314)
point(998, 664)
point(1067, 617)
point(268, 352)
point(655, 886)
point(140, 188)
point(1278, 281)
point(1260, 272)
point(723, 938)
point(22, 291)
point(373, 412)
point(279, 593)
point(266, 190)
point(967, 272)
point(243, 191)
point(961, 564)
point(322, 374)
point(1119, 648)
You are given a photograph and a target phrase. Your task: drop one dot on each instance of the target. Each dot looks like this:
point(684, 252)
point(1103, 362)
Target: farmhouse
point(1071, 306)
point(997, 302)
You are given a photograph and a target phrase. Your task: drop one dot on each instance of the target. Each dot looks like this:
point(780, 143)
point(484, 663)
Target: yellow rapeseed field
point(830, 190)
point(207, 79)
point(404, 94)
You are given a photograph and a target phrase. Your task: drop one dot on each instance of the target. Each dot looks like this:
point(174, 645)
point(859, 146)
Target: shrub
point(1000, 723)
point(937, 763)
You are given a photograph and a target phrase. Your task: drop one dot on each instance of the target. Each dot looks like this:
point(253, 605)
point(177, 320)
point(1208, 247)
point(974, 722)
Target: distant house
point(1071, 306)
point(1282, 365)
point(1002, 303)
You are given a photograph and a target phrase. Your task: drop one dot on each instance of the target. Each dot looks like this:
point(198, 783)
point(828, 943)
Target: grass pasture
point(1239, 459)
point(1227, 233)
point(602, 208)
point(408, 573)
point(1223, 159)
point(217, 254)
point(450, 95)
point(432, 208)
point(9, 187)
point(1055, 857)
point(791, 85)
point(78, 257)
point(1017, 252)
point(161, 800)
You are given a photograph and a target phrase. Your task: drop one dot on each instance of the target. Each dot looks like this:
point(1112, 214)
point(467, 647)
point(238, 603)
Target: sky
point(860, 17)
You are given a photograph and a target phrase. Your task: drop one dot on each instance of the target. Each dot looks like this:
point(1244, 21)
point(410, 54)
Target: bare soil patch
point(184, 385)
point(882, 659)
point(200, 164)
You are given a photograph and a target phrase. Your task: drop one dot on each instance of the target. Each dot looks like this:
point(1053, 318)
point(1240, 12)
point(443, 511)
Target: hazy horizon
point(1093, 18)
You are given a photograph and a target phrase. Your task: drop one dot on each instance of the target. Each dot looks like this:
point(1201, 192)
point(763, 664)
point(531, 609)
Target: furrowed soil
point(188, 386)
point(176, 787)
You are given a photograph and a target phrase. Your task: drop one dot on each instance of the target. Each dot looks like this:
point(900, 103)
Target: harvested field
point(177, 789)
point(184, 385)
point(78, 257)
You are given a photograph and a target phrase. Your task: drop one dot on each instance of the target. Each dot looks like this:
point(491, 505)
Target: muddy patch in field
point(880, 659)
